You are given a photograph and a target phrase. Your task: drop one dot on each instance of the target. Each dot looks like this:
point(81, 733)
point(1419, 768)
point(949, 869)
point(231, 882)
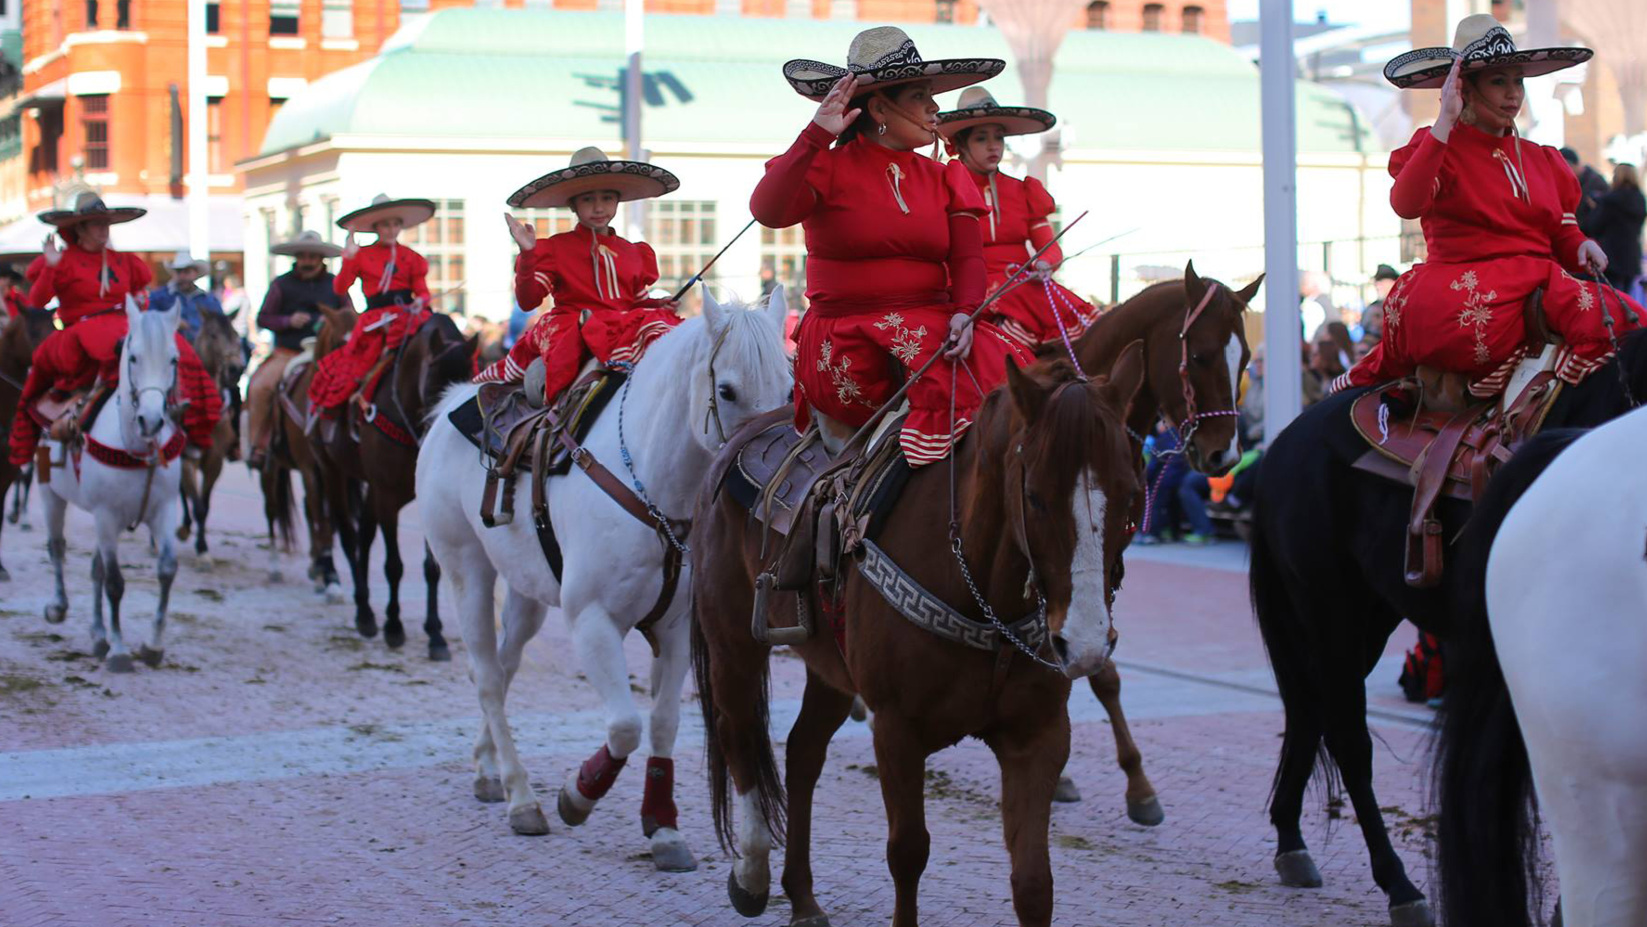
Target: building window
point(122, 14)
point(441, 241)
point(1098, 14)
point(329, 230)
point(337, 19)
point(213, 23)
point(283, 17)
point(94, 119)
point(11, 137)
point(44, 157)
point(414, 6)
point(1152, 17)
point(216, 160)
point(1192, 19)
point(944, 12)
point(91, 14)
point(784, 251)
point(682, 232)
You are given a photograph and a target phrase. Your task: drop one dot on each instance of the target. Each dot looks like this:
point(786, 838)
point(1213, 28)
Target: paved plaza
point(279, 770)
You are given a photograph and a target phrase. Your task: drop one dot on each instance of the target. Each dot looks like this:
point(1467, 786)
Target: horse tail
point(758, 739)
point(1487, 832)
point(279, 502)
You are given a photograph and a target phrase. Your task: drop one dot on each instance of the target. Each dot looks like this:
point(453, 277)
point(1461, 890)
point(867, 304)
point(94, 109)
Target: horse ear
point(712, 312)
point(1126, 377)
point(777, 307)
point(134, 312)
point(1246, 293)
point(1027, 395)
point(1194, 286)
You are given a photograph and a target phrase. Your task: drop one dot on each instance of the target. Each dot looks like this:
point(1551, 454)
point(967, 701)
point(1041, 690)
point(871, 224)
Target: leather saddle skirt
point(498, 418)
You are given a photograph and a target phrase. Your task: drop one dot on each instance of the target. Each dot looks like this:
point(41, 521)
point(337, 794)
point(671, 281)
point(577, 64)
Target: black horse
point(1328, 590)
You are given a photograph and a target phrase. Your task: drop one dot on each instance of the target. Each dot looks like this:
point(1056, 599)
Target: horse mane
point(752, 343)
point(1074, 426)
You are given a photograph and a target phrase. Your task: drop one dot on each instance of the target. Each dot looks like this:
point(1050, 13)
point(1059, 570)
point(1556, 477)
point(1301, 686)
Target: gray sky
point(1391, 14)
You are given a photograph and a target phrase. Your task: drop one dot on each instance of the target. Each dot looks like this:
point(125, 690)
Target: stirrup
point(766, 634)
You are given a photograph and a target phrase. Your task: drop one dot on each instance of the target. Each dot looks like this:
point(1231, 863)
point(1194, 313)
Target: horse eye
point(727, 393)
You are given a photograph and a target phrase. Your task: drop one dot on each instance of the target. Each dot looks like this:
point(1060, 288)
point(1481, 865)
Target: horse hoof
point(56, 613)
point(1066, 792)
point(1297, 869)
point(816, 920)
point(529, 821)
point(275, 576)
point(183, 532)
point(573, 810)
point(743, 902)
point(489, 789)
point(119, 663)
point(860, 711)
point(367, 626)
point(394, 635)
point(670, 852)
point(1147, 812)
point(5, 575)
point(440, 653)
point(150, 658)
point(100, 649)
point(1412, 914)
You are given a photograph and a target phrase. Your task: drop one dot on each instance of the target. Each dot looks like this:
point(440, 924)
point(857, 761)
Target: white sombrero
point(977, 108)
point(590, 170)
point(1482, 43)
point(885, 56)
point(89, 207)
point(308, 242)
point(411, 212)
point(184, 260)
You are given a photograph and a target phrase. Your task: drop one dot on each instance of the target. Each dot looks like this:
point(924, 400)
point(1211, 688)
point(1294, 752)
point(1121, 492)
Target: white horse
point(700, 381)
point(141, 488)
point(1552, 700)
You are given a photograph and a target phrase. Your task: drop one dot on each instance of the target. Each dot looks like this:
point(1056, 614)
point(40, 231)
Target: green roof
point(535, 74)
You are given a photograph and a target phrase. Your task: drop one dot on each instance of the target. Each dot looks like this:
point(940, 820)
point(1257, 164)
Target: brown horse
point(23, 333)
point(1210, 347)
point(384, 460)
point(1044, 485)
point(290, 449)
point(218, 345)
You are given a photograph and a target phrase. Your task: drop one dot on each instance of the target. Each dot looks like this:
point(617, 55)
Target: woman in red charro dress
point(598, 279)
point(395, 280)
point(90, 282)
point(894, 251)
point(1498, 221)
point(1019, 221)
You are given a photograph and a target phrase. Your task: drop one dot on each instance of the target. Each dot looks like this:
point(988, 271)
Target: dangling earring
point(881, 130)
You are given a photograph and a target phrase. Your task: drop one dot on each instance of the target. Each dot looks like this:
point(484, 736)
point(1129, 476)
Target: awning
point(46, 95)
point(165, 228)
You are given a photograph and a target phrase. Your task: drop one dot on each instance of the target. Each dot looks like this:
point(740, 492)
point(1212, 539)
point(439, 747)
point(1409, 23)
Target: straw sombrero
point(885, 57)
point(589, 170)
point(977, 108)
point(89, 207)
point(411, 212)
point(1482, 43)
point(306, 243)
point(184, 260)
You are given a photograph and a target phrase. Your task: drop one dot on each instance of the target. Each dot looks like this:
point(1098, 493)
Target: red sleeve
point(966, 260)
point(44, 288)
point(649, 274)
point(1417, 172)
point(1566, 236)
point(1377, 367)
point(142, 275)
point(1041, 207)
point(794, 181)
point(347, 273)
point(418, 270)
point(964, 196)
point(34, 269)
point(532, 269)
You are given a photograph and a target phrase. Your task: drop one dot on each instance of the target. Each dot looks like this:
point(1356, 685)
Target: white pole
point(198, 168)
point(1282, 339)
point(634, 41)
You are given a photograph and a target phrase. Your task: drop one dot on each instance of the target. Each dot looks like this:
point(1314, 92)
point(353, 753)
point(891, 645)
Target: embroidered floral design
point(1477, 312)
point(906, 344)
point(1394, 305)
point(847, 390)
point(1586, 298)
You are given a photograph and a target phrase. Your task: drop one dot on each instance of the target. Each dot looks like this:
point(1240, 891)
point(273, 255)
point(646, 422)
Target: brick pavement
point(277, 770)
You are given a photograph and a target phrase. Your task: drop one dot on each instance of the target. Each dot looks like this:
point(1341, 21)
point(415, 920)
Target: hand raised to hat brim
point(525, 236)
point(350, 246)
point(832, 115)
point(50, 250)
point(1452, 103)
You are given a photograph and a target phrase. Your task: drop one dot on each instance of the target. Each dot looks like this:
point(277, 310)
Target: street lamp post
point(1283, 396)
point(198, 184)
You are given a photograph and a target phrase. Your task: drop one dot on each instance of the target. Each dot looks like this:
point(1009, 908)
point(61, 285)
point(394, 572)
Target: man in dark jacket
point(291, 310)
point(1592, 186)
point(1616, 223)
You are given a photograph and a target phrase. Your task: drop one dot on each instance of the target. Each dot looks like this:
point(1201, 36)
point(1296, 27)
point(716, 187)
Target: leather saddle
point(1429, 432)
point(65, 417)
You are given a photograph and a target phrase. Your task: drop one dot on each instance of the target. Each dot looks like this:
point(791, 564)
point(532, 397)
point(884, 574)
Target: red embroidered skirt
point(1030, 312)
point(339, 373)
point(612, 337)
point(847, 365)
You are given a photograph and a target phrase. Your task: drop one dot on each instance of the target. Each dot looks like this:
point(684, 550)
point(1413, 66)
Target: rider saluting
point(598, 279)
point(1498, 221)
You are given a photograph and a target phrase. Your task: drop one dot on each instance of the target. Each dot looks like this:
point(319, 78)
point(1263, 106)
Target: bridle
point(1192, 417)
point(714, 411)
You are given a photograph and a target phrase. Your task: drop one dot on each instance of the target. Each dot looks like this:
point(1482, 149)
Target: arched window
point(1193, 16)
point(1152, 17)
point(1098, 14)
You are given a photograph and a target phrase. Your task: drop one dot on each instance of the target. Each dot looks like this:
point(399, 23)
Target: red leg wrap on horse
point(658, 805)
point(597, 774)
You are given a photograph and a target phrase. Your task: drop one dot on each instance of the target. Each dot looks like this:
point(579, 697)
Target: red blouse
point(411, 271)
point(586, 271)
point(76, 283)
point(1018, 213)
point(875, 220)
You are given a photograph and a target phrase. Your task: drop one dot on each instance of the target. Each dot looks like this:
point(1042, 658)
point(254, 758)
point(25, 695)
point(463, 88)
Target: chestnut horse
point(1209, 346)
point(22, 333)
point(291, 450)
point(1042, 487)
point(428, 361)
point(218, 345)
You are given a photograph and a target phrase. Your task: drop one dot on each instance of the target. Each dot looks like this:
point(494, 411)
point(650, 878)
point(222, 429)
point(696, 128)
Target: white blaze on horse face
point(1087, 622)
point(1232, 358)
point(753, 869)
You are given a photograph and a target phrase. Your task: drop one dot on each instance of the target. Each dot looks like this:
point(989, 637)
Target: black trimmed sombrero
point(411, 212)
point(977, 108)
point(1483, 43)
point(591, 170)
point(89, 207)
point(309, 242)
point(885, 56)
